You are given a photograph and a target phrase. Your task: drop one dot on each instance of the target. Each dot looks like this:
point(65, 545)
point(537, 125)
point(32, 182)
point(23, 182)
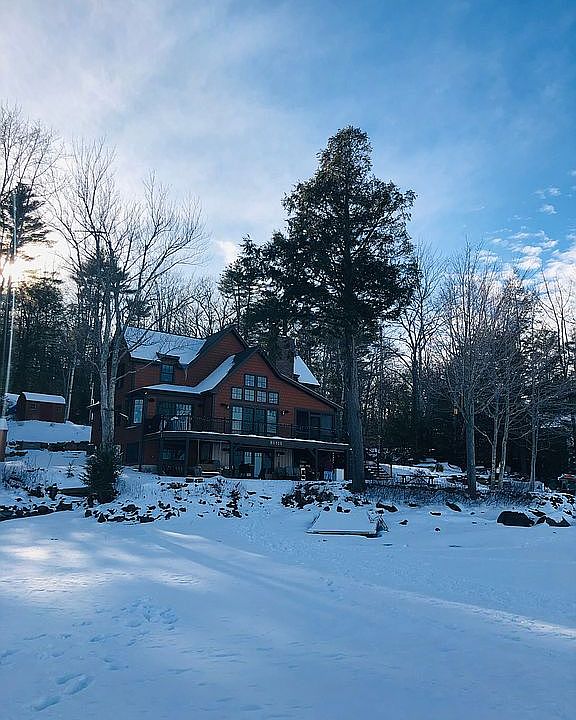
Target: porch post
point(316, 464)
point(160, 450)
point(187, 456)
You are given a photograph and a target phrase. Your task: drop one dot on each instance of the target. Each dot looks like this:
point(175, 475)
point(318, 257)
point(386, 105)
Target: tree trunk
point(416, 410)
point(70, 388)
point(470, 449)
point(533, 450)
point(494, 448)
point(504, 449)
point(353, 420)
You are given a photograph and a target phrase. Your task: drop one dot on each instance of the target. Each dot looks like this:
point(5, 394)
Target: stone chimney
point(284, 355)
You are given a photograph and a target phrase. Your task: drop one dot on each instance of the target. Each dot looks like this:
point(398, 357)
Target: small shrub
point(103, 470)
point(307, 494)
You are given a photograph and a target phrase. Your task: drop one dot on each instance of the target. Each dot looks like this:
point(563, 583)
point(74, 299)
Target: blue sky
point(471, 104)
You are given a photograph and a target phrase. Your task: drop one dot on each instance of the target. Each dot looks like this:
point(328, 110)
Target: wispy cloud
point(548, 209)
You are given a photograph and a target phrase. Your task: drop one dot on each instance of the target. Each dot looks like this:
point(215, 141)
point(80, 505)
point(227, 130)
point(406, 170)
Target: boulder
point(453, 506)
point(43, 510)
point(514, 519)
point(557, 523)
point(102, 518)
point(403, 522)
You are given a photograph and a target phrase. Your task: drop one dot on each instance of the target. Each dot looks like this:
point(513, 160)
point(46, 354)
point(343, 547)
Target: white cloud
point(227, 250)
point(529, 263)
point(554, 191)
point(548, 209)
point(533, 250)
point(487, 256)
point(562, 265)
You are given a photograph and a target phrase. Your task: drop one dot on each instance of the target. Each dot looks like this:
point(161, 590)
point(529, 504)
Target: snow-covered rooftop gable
point(41, 398)
point(209, 382)
point(151, 345)
point(216, 376)
point(303, 372)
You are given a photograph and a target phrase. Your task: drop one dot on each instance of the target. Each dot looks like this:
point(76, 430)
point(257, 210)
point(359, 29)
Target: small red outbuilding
point(37, 406)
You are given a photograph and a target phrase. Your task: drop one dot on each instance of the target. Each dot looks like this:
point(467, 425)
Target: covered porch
point(244, 456)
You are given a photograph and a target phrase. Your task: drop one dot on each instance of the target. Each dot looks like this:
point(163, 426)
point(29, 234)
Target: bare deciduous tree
point(118, 252)
point(467, 301)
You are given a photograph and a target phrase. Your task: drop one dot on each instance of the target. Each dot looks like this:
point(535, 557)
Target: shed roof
point(41, 398)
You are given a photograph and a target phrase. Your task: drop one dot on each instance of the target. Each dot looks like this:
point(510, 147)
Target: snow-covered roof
point(303, 372)
point(209, 382)
point(41, 398)
point(216, 376)
point(151, 345)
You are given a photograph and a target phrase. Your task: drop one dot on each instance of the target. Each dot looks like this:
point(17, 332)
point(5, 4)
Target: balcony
point(226, 426)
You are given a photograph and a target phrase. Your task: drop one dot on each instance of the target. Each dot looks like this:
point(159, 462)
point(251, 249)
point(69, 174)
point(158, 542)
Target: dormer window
point(166, 373)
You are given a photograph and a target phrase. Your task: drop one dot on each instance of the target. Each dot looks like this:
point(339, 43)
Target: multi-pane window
point(166, 373)
point(271, 422)
point(261, 396)
point(254, 421)
point(273, 398)
point(236, 418)
point(249, 394)
point(137, 411)
point(236, 393)
point(262, 381)
point(249, 380)
point(168, 407)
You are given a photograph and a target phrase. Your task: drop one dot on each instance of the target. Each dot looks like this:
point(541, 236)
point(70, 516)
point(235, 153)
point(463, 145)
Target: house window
point(236, 418)
point(170, 408)
point(262, 381)
point(249, 380)
point(273, 398)
point(261, 396)
point(249, 394)
point(137, 411)
point(166, 373)
point(236, 393)
point(271, 422)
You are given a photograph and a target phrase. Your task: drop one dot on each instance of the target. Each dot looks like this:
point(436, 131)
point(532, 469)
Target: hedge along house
point(184, 402)
point(37, 406)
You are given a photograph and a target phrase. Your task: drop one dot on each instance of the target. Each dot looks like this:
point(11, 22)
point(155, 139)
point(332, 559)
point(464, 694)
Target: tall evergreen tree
point(40, 348)
point(345, 260)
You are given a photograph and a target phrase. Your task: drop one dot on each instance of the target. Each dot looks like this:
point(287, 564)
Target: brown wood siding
point(47, 412)
point(291, 398)
point(200, 368)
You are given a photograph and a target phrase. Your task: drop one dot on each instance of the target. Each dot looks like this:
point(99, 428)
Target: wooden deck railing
point(226, 426)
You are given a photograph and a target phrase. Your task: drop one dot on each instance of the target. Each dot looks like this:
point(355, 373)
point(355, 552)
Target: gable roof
point(41, 398)
point(151, 345)
point(229, 365)
point(305, 375)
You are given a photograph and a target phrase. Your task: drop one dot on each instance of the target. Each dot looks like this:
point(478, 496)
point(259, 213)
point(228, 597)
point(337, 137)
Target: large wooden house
point(217, 403)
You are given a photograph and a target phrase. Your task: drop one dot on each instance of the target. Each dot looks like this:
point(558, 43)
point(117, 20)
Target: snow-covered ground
point(204, 616)
point(40, 431)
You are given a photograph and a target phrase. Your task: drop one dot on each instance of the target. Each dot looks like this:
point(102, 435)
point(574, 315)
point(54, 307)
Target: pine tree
point(345, 260)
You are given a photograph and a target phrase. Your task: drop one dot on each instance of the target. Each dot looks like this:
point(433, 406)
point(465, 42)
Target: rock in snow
point(515, 519)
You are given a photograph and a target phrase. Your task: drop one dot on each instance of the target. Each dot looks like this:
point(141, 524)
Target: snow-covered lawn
point(205, 616)
point(47, 432)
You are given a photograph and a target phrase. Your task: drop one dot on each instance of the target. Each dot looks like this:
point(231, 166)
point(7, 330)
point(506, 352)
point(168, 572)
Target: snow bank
point(40, 431)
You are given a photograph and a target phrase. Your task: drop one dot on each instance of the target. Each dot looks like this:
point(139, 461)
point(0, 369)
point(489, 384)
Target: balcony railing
point(226, 426)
